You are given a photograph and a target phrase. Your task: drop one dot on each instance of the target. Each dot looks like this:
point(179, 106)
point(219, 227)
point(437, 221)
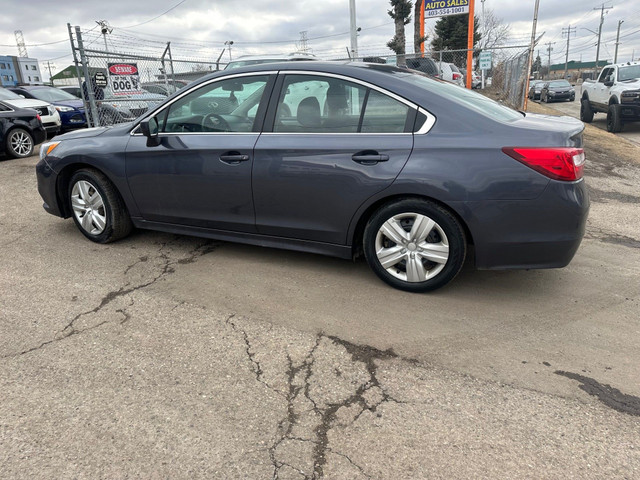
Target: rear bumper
point(47, 180)
point(541, 233)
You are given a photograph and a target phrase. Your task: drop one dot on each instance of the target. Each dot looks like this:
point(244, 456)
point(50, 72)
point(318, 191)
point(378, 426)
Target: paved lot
point(631, 131)
point(163, 356)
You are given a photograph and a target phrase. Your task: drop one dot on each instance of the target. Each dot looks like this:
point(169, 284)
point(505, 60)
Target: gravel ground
point(164, 356)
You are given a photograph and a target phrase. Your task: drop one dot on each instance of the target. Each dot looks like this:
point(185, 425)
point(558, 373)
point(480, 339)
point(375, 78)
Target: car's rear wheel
point(414, 245)
point(614, 118)
point(98, 210)
point(19, 143)
point(586, 113)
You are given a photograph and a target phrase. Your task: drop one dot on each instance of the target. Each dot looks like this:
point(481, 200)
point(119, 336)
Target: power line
point(158, 16)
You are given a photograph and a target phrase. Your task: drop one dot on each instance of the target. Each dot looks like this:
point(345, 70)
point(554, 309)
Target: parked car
point(616, 93)
point(535, 87)
point(110, 113)
point(70, 108)
point(450, 73)
point(20, 130)
point(247, 60)
point(49, 115)
point(557, 90)
point(160, 88)
point(338, 159)
point(424, 65)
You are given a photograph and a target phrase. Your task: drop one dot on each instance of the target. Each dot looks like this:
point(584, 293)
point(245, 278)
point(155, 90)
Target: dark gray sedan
point(340, 159)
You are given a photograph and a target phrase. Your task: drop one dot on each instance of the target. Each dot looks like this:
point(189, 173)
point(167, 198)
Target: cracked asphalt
point(163, 356)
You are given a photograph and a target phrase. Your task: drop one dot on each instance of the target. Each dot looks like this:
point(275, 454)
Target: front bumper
point(47, 182)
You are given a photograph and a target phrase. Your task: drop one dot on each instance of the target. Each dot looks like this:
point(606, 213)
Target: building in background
point(69, 76)
point(28, 71)
point(19, 71)
point(8, 74)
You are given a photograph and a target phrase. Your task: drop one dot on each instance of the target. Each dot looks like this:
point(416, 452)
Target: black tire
point(117, 222)
point(446, 232)
point(614, 119)
point(586, 113)
point(19, 143)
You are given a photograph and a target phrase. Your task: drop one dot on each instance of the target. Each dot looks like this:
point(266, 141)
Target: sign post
point(485, 63)
point(470, 45)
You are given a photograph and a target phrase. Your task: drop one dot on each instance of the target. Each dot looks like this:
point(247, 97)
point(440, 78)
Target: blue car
point(71, 109)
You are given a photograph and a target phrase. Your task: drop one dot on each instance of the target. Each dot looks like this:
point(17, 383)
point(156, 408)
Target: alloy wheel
point(412, 247)
point(21, 143)
point(88, 207)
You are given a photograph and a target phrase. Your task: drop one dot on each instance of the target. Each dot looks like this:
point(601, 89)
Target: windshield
point(50, 94)
point(630, 72)
point(559, 83)
point(8, 94)
point(464, 97)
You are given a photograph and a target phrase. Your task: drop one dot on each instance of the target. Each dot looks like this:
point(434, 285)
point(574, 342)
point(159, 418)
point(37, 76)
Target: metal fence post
point(95, 120)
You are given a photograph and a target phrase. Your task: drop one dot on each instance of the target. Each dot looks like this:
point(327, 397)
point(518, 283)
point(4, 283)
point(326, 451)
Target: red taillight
point(456, 76)
point(562, 163)
point(38, 117)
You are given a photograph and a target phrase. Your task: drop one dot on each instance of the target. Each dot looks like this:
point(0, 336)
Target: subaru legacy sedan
point(340, 159)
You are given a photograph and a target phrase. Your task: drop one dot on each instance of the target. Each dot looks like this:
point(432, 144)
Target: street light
point(229, 43)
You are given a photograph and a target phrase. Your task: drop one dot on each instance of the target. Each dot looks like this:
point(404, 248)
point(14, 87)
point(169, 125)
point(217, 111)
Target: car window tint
point(318, 104)
point(605, 74)
point(224, 106)
point(384, 114)
point(463, 97)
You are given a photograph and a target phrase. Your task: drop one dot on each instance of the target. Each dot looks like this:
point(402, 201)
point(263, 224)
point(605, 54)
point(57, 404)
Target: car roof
point(275, 56)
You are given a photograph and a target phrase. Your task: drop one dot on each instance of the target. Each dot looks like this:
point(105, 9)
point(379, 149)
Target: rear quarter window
point(465, 98)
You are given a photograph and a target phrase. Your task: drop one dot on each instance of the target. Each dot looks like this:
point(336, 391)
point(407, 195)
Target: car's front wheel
point(19, 143)
point(414, 245)
point(98, 210)
point(586, 114)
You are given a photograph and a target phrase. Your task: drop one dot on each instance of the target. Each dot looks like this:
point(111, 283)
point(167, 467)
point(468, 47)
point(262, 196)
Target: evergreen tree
point(450, 33)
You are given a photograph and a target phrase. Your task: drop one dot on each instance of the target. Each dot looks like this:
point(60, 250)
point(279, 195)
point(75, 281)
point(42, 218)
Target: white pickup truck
point(616, 93)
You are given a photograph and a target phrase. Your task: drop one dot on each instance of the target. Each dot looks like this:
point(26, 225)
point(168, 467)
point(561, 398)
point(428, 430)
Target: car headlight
point(47, 148)
point(64, 109)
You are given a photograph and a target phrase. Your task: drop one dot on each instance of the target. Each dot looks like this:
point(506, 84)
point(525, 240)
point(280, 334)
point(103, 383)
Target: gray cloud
point(200, 27)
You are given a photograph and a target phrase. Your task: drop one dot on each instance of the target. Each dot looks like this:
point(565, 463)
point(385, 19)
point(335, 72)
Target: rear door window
point(319, 104)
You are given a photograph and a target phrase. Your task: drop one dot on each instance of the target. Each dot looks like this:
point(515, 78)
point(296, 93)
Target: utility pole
point(549, 50)
point(615, 57)
point(531, 47)
point(569, 30)
point(602, 10)
point(353, 29)
point(49, 67)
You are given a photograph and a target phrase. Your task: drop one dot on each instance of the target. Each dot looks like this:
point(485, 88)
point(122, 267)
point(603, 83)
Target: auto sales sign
point(124, 79)
point(442, 8)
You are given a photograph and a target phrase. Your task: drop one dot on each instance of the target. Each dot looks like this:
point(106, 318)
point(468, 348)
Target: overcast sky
point(199, 28)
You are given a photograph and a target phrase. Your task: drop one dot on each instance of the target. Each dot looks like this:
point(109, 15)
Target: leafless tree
point(494, 31)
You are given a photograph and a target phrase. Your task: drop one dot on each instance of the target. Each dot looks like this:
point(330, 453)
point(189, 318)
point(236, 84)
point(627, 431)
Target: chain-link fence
point(119, 76)
point(510, 77)
point(123, 84)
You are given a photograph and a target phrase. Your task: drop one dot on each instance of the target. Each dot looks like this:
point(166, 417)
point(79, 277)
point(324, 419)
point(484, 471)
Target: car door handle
point(233, 158)
point(369, 158)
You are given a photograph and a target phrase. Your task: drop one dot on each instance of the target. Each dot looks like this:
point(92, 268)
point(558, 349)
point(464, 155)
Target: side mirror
point(149, 128)
point(608, 84)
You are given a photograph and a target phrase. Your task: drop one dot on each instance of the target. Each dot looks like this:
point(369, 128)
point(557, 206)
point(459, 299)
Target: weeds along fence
point(120, 76)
